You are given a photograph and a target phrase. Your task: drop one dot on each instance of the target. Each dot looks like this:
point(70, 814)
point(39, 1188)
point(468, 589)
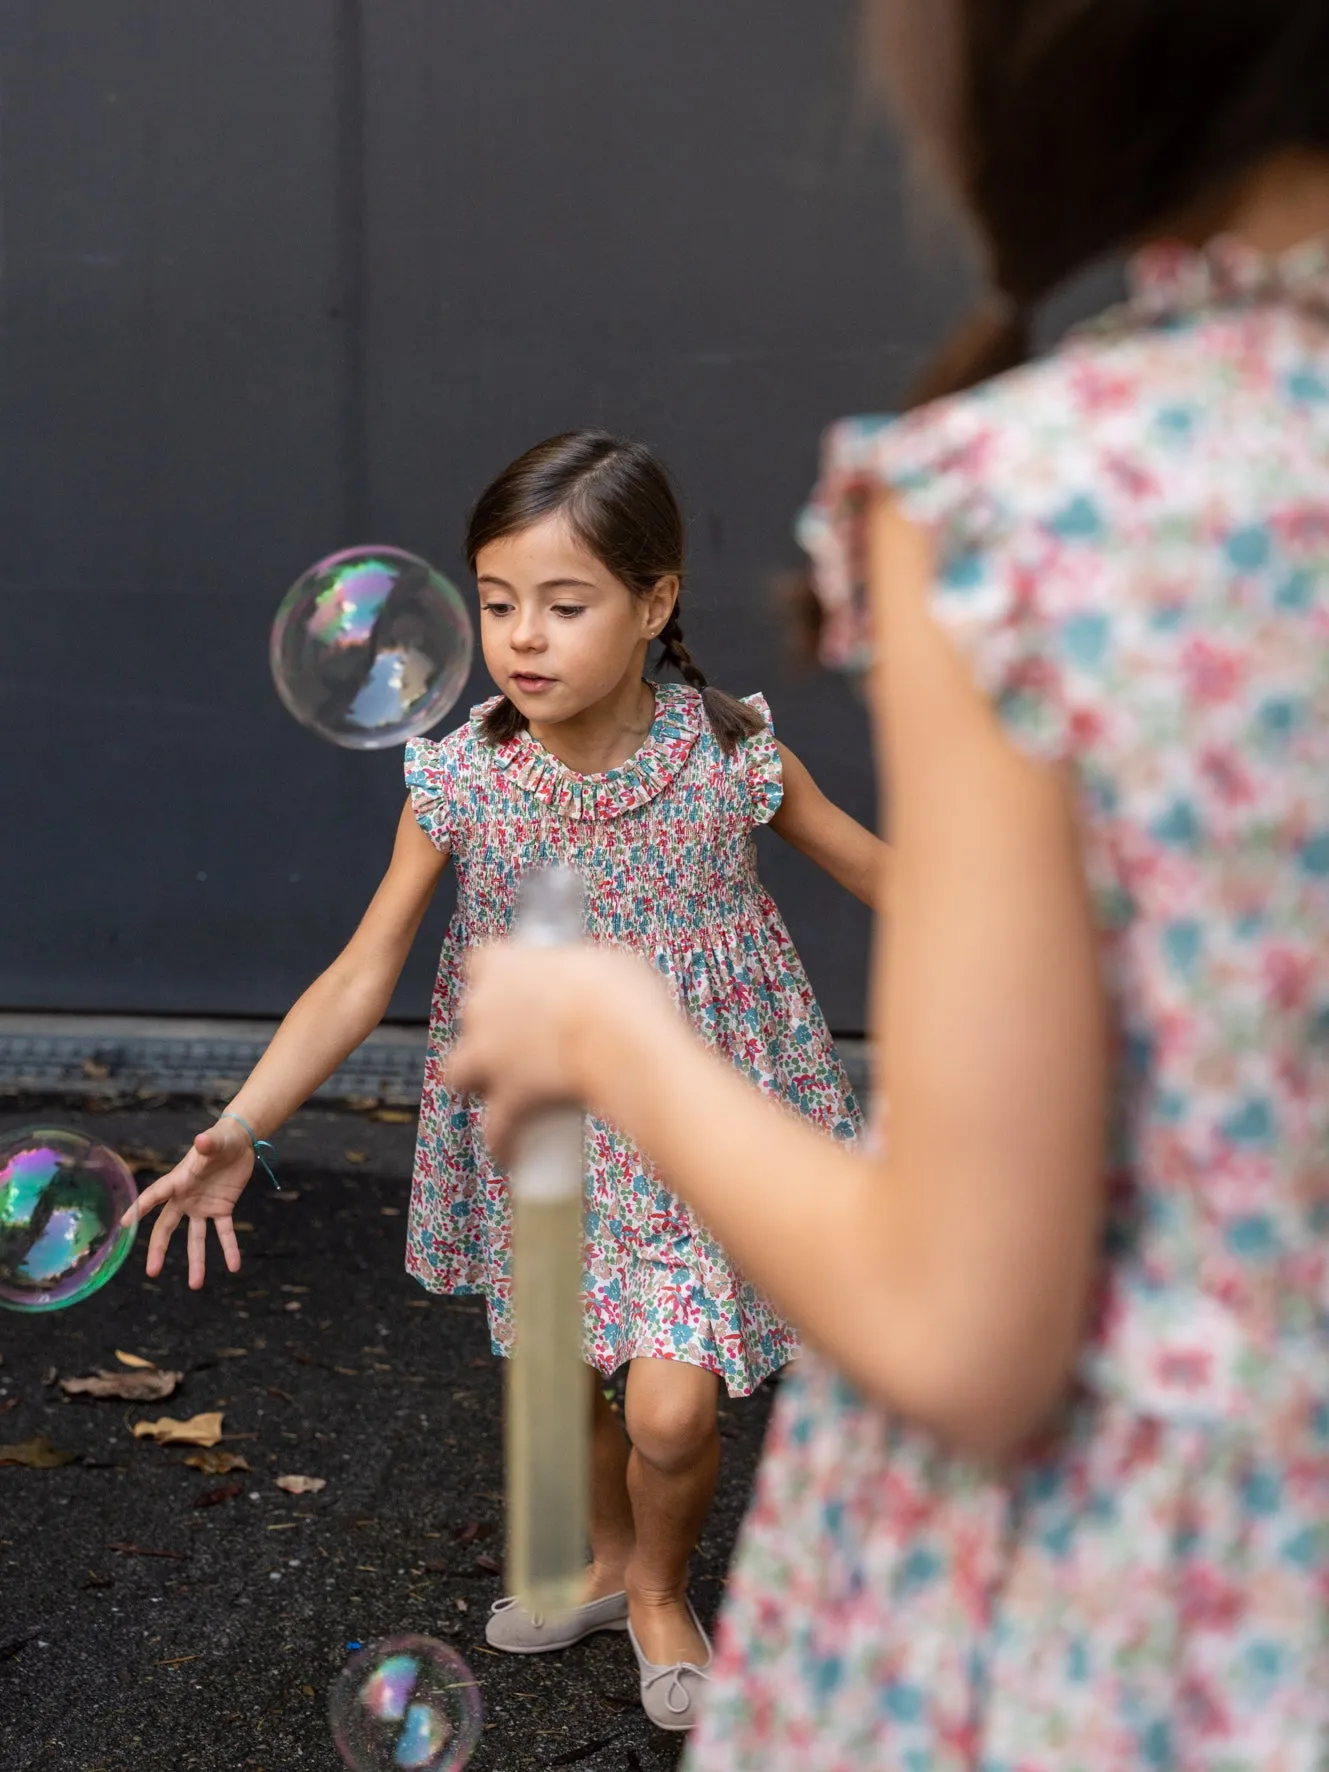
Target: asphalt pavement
point(154, 1614)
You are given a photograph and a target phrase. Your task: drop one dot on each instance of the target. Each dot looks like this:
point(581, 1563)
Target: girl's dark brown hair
point(1072, 128)
point(618, 501)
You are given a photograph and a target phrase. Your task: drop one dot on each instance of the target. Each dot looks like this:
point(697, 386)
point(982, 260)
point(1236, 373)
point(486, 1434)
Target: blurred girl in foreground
point(1054, 1492)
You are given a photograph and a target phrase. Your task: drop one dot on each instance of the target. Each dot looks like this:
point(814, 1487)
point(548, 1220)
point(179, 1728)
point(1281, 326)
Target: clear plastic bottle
point(548, 1413)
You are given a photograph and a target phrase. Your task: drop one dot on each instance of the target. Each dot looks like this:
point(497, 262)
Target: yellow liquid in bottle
point(547, 1401)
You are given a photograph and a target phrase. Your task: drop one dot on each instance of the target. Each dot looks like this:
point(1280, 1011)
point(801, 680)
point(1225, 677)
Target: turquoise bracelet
point(260, 1145)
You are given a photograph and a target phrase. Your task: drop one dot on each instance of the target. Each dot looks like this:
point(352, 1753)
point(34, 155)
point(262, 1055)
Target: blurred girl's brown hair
point(1069, 129)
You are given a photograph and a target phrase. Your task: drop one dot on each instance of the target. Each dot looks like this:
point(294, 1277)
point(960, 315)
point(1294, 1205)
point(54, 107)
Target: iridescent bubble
point(61, 1200)
point(406, 1704)
point(371, 647)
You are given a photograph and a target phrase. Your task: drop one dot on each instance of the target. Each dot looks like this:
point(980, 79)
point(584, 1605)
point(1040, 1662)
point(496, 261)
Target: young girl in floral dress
point(1053, 1496)
point(652, 791)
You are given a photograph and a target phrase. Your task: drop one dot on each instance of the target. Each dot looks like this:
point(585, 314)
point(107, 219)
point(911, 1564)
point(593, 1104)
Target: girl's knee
point(671, 1416)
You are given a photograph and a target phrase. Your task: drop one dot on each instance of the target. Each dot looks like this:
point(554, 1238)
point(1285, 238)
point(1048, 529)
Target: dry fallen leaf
point(199, 1430)
point(94, 1072)
point(232, 1353)
point(387, 1116)
point(302, 1485)
point(130, 1387)
point(357, 1156)
point(474, 1529)
point(215, 1497)
point(38, 1454)
point(134, 1360)
point(217, 1462)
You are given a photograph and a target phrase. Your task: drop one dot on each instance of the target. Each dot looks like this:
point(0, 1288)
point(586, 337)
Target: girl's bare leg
point(675, 1459)
point(611, 1509)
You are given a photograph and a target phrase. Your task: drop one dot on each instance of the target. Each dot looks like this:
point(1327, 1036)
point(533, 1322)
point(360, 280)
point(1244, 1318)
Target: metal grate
point(94, 1059)
point(68, 1055)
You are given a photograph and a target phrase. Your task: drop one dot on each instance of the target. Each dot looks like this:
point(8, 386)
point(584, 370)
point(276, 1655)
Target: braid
point(731, 721)
point(503, 722)
point(677, 654)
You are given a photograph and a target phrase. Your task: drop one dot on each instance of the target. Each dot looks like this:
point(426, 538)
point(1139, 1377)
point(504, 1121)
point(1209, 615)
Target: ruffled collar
point(1169, 279)
point(648, 772)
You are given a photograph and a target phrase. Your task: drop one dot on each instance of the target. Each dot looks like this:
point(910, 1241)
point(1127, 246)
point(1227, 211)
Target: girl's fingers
point(186, 1171)
point(162, 1232)
point(152, 1197)
point(230, 1247)
point(460, 1071)
point(197, 1245)
point(500, 1124)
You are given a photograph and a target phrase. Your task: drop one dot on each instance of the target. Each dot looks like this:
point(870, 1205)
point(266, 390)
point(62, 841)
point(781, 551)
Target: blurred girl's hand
point(205, 1184)
point(528, 1019)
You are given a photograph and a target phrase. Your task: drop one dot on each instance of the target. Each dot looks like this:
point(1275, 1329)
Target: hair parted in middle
point(617, 499)
point(1069, 129)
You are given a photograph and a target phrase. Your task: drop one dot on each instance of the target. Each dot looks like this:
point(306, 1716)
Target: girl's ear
point(661, 603)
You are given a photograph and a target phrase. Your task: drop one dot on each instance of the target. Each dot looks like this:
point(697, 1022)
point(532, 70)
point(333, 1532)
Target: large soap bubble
point(406, 1704)
point(61, 1200)
point(371, 647)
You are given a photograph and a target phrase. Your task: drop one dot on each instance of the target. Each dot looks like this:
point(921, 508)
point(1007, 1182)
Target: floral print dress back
point(1132, 551)
point(665, 846)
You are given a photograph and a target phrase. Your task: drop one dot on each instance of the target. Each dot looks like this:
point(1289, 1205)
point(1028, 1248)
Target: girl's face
point(559, 632)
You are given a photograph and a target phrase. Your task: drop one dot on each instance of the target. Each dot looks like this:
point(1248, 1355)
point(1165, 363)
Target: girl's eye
point(568, 610)
point(492, 606)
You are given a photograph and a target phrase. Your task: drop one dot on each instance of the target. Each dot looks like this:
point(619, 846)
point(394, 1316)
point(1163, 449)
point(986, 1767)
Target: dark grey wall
point(283, 275)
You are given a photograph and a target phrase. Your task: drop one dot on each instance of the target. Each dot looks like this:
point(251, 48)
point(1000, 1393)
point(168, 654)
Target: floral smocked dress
point(1132, 543)
point(666, 851)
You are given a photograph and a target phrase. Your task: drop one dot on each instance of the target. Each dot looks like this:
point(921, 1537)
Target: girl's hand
point(205, 1184)
point(529, 1019)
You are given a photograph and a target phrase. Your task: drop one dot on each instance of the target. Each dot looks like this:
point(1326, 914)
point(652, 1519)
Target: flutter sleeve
point(431, 782)
point(764, 771)
point(1019, 560)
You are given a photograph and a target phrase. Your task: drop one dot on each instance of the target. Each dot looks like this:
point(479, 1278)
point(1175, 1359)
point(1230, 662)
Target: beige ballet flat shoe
point(512, 1628)
point(671, 1694)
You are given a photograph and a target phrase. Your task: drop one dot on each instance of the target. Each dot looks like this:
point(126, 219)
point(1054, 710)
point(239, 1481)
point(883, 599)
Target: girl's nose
point(528, 633)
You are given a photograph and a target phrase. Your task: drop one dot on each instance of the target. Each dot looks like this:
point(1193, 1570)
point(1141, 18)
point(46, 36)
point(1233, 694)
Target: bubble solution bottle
point(548, 1401)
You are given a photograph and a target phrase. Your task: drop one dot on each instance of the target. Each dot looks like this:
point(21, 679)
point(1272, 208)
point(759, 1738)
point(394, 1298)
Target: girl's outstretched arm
point(950, 1280)
point(341, 1007)
point(852, 855)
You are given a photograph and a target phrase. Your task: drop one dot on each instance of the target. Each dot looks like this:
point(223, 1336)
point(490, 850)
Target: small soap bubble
point(61, 1200)
point(406, 1704)
point(371, 647)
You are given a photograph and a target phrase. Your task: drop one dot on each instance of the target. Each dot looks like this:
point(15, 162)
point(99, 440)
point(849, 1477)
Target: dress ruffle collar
point(648, 772)
point(1169, 278)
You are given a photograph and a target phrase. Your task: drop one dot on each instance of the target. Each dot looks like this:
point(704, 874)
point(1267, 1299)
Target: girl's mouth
point(529, 684)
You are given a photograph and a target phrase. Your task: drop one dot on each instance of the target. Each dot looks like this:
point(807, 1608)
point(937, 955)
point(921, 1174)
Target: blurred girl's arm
point(950, 1280)
point(853, 856)
point(347, 1002)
